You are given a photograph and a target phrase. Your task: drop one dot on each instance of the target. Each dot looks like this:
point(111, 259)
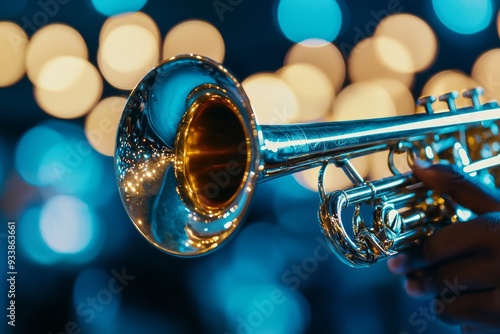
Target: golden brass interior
point(214, 153)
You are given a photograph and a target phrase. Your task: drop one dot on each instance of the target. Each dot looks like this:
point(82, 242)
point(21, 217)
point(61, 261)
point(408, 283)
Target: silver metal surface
point(189, 155)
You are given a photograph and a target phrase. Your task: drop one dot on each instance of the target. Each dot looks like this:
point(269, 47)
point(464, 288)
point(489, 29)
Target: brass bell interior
point(212, 154)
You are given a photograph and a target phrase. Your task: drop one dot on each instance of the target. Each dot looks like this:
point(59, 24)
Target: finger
point(453, 241)
point(464, 189)
point(397, 264)
point(470, 308)
point(456, 240)
point(476, 273)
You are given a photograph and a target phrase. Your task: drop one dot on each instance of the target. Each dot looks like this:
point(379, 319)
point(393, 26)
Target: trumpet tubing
point(190, 153)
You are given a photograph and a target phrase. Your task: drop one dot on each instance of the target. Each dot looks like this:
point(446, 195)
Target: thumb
point(462, 188)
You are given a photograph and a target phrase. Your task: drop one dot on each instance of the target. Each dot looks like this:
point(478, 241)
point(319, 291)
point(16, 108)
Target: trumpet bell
point(187, 158)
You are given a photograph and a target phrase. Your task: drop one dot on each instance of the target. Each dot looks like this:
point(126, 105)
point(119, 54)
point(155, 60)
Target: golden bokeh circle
point(401, 96)
point(313, 89)
point(76, 99)
point(486, 71)
point(365, 64)
point(127, 54)
point(363, 100)
point(194, 36)
point(52, 41)
point(138, 18)
point(323, 55)
point(415, 35)
point(394, 54)
point(61, 72)
point(13, 46)
point(273, 100)
point(102, 122)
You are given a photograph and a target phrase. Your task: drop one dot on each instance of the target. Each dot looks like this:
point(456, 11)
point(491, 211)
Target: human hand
point(459, 265)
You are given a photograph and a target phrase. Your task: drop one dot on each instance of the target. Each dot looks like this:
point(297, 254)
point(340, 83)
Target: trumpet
point(190, 153)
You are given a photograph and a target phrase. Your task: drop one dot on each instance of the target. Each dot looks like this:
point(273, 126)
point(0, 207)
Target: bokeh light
point(487, 72)
point(394, 54)
point(31, 241)
point(64, 229)
point(401, 96)
point(237, 295)
point(366, 63)
point(68, 225)
point(301, 20)
point(52, 41)
point(363, 100)
point(97, 298)
point(415, 35)
point(57, 154)
point(271, 308)
point(13, 43)
point(273, 247)
point(272, 99)
point(68, 87)
point(212, 298)
point(128, 52)
point(30, 155)
point(464, 16)
point(60, 73)
point(111, 50)
point(194, 36)
point(138, 19)
point(313, 89)
point(445, 82)
point(113, 7)
point(101, 124)
point(321, 54)
point(295, 205)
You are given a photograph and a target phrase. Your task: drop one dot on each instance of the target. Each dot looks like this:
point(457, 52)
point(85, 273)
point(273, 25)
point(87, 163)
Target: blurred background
point(66, 69)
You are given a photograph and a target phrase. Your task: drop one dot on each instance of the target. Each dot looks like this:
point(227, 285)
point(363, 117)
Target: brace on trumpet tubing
point(189, 122)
